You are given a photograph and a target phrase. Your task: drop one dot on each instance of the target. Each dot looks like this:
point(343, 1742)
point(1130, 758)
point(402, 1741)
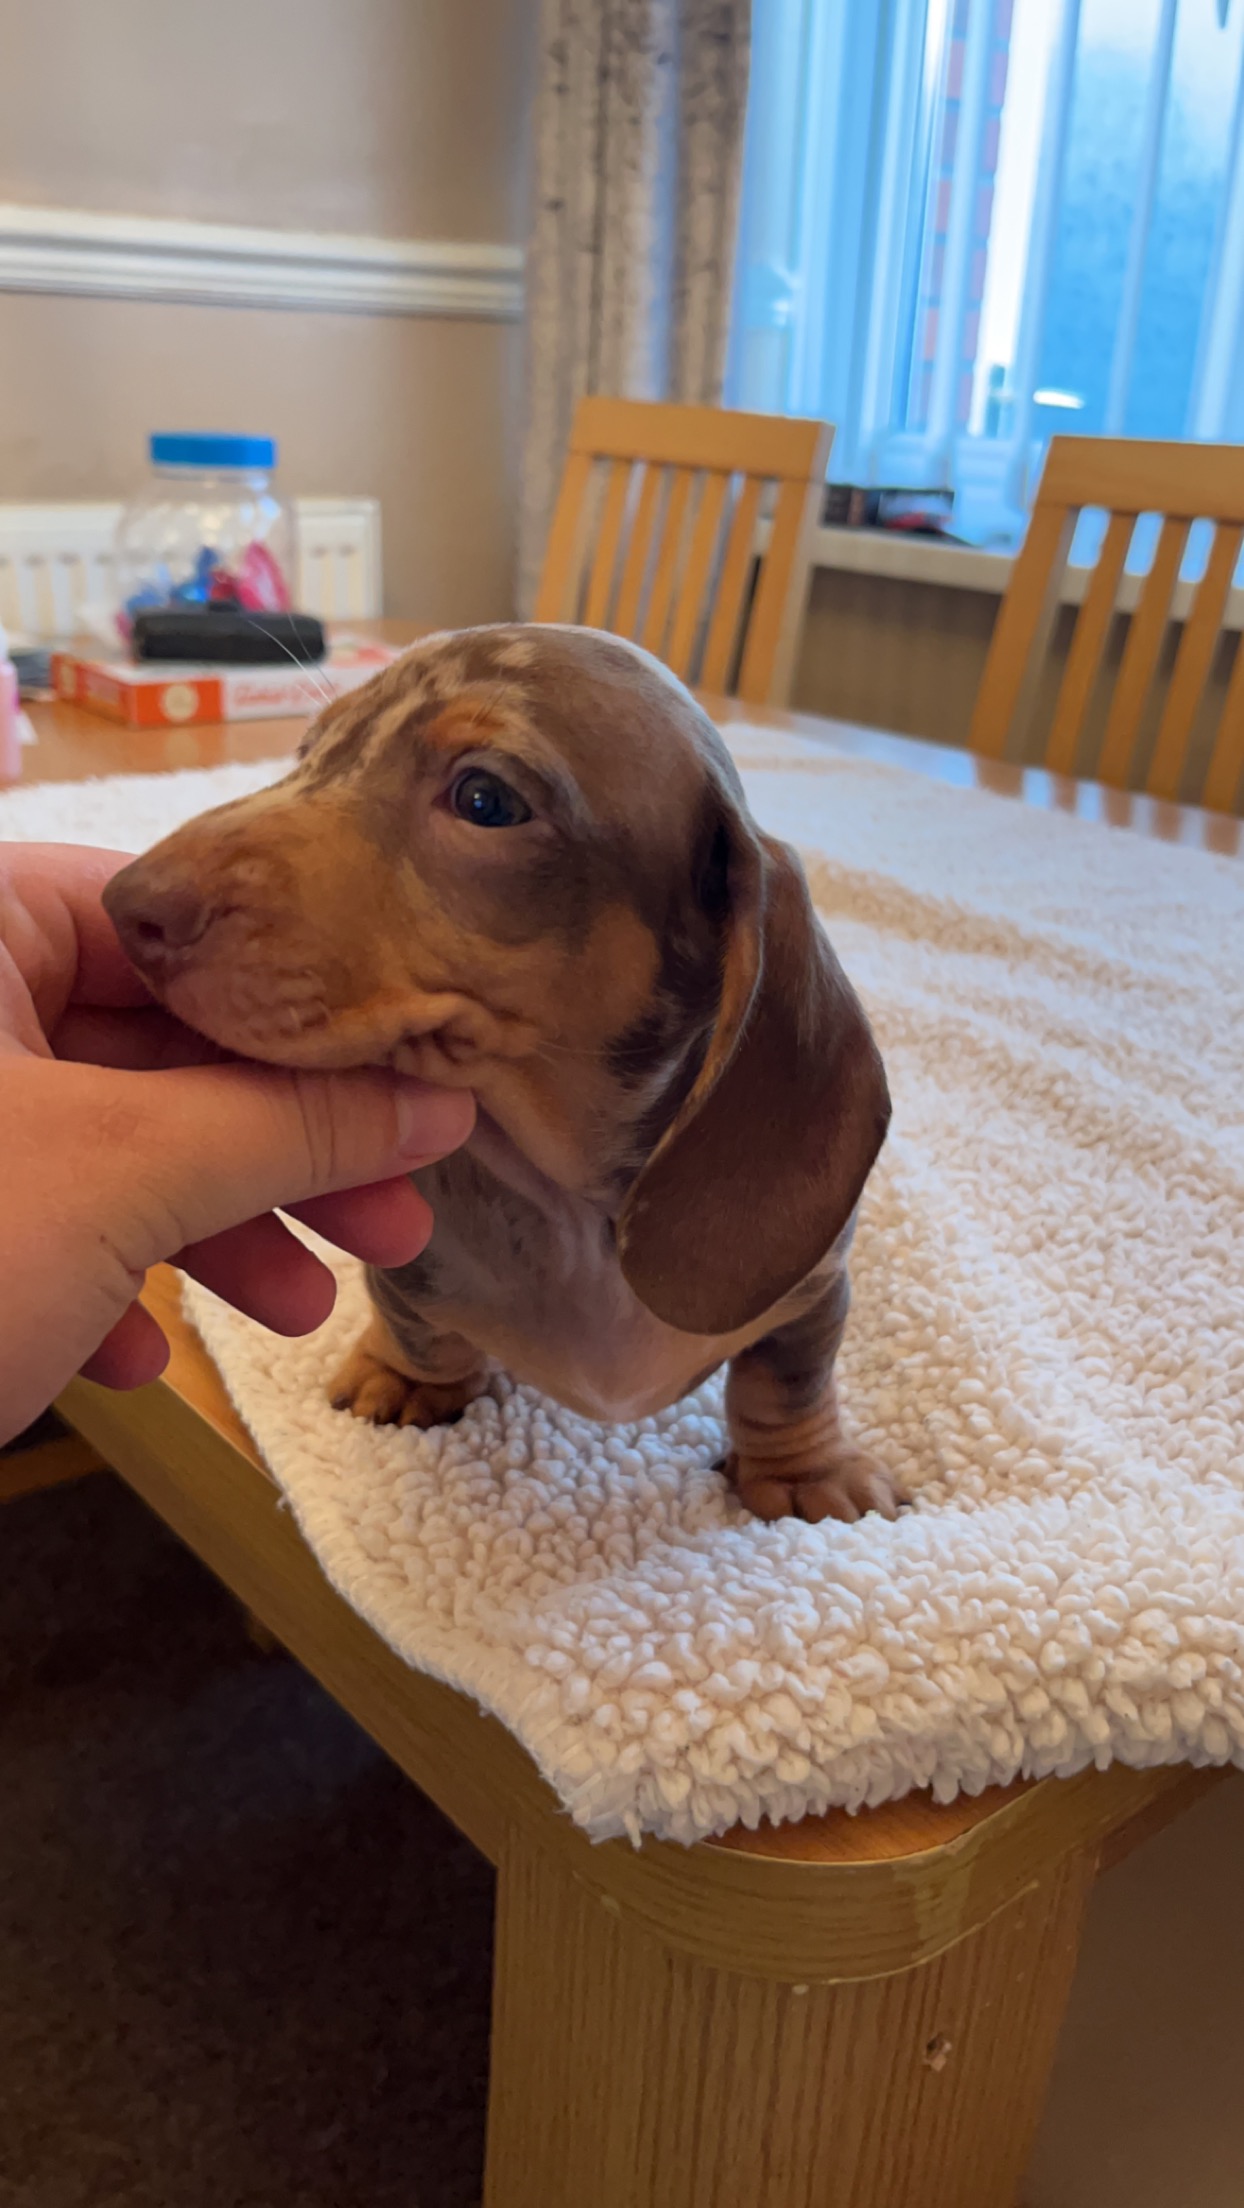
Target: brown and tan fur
point(679, 1099)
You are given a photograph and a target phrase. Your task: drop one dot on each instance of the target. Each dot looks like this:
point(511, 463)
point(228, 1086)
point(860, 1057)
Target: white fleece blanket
point(1047, 1345)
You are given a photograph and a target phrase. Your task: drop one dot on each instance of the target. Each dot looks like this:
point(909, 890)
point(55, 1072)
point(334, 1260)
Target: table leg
point(46, 1457)
point(626, 2075)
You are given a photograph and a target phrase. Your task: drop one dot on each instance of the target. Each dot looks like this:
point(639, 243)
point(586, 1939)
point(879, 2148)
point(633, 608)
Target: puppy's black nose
point(154, 919)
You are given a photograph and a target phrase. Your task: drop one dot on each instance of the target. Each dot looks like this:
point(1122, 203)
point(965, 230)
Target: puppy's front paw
point(371, 1389)
point(846, 1485)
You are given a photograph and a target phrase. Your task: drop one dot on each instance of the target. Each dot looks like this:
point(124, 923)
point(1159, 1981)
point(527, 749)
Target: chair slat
point(559, 573)
point(689, 612)
point(600, 583)
point(1084, 658)
point(668, 557)
point(1023, 625)
point(653, 566)
point(773, 633)
point(723, 629)
point(765, 629)
point(1192, 665)
point(638, 551)
point(1140, 654)
point(1222, 778)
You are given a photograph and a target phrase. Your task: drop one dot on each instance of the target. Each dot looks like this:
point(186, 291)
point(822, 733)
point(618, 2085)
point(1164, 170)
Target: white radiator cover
point(55, 558)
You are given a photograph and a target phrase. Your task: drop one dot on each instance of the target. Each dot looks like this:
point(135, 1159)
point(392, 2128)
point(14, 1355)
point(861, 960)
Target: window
point(969, 223)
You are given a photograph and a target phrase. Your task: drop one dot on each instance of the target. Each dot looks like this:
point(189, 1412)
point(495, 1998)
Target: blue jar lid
point(199, 450)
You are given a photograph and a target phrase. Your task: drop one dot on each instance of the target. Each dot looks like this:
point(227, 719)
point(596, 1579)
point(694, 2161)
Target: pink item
point(10, 734)
point(261, 587)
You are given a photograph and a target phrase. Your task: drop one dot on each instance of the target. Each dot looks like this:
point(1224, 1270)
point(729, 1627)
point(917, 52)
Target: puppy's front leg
point(402, 1372)
point(789, 1456)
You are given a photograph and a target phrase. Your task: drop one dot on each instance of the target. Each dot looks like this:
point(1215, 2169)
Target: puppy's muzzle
point(159, 921)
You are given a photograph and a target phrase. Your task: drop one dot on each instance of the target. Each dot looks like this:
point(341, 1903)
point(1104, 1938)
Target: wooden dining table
point(847, 2012)
point(73, 745)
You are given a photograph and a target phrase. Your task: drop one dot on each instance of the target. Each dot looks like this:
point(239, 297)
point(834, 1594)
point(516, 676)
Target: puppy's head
point(519, 860)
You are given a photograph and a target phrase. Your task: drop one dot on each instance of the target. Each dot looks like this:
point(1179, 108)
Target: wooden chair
point(1163, 723)
point(654, 537)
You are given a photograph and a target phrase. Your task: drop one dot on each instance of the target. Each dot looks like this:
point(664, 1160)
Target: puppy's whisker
point(306, 666)
point(566, 1053)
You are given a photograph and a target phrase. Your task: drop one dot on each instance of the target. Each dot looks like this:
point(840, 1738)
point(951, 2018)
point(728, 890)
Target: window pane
point(1094, 224)
point(974, 215)
point(1035, 29)
point(959, 161)
point(929, 206)
point(1205, 67)
point(1114, 74)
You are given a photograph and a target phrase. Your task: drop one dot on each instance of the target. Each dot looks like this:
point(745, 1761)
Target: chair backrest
point(654, 537)
point(1156, 706)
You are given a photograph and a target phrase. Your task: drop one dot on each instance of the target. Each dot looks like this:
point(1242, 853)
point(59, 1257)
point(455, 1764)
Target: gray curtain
point(640, 107)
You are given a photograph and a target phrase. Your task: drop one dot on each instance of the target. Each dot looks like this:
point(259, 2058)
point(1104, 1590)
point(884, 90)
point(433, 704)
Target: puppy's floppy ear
point(765, 1162)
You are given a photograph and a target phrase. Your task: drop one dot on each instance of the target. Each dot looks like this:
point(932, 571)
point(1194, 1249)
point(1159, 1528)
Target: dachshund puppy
point(520, 861)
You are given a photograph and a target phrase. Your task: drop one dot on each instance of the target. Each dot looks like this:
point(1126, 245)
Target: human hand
point(126, 1140)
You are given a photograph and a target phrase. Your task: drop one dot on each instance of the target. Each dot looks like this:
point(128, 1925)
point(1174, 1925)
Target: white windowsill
point(961, 567)
point(912, 559)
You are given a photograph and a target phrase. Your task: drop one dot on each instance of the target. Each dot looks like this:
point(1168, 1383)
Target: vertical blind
point(967, 223)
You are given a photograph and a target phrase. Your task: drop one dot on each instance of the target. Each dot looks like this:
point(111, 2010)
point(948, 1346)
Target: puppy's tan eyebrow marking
point(456, 722)
point(509, 740)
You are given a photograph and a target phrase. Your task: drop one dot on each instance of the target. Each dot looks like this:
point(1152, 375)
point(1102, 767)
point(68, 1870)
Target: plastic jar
point(207, 529)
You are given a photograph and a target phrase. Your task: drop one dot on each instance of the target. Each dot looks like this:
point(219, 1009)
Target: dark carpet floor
point(243, 1964)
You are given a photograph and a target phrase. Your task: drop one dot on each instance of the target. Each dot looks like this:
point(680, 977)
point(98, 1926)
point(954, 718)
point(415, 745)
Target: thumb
point(199, 1149)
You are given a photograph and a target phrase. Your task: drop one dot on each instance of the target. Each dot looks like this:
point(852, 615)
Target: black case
point(224, 633)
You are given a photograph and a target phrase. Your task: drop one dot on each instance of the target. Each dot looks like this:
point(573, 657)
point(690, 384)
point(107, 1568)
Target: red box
point(173, 695)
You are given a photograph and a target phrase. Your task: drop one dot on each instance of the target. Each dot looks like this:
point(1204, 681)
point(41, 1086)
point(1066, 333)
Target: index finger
point(56, 930)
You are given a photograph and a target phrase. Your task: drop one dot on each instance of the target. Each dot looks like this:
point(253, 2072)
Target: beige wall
point(404, 118)
point(899, 655)
point(396, 116)
point(415, 412)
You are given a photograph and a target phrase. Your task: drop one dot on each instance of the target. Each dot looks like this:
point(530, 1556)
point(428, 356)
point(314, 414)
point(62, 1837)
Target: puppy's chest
point(533, 1280)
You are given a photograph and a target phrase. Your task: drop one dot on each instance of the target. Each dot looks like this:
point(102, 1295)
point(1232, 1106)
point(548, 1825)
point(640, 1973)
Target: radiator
point(56, 558)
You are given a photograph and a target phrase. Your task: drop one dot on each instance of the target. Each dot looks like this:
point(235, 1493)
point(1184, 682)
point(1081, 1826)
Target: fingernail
point(431, 1122)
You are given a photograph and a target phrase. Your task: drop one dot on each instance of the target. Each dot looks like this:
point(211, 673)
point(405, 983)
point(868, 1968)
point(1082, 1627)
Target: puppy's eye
point(488, 802)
